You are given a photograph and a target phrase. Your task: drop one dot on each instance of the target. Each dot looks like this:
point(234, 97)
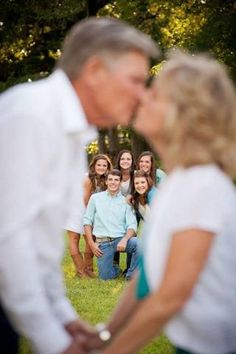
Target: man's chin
point(136, 125)
point(124, 121)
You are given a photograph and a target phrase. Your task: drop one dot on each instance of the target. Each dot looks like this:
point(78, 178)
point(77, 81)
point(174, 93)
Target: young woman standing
point(125, 163)
point(94, 182)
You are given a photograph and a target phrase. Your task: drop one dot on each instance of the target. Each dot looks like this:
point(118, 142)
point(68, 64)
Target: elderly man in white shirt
point(44, 126)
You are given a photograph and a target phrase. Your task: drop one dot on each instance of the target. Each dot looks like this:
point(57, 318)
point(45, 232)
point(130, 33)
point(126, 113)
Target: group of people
point(184, 284)
point(103, 223)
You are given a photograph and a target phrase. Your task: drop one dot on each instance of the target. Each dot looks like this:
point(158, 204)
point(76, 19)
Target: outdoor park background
point(31, 33)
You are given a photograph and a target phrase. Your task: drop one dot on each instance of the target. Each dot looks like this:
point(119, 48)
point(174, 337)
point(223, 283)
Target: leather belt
point(104, 239)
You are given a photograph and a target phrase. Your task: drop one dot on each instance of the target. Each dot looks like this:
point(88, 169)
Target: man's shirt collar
point(118, 194)
point(74, 118)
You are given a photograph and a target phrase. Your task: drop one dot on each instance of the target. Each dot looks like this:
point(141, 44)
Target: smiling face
point(101, 167)
point(145, 164)
point(140, 185)
point(126, 161)
point(113, 183)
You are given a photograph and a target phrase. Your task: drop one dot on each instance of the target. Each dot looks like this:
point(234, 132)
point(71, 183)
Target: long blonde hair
point(200, 124)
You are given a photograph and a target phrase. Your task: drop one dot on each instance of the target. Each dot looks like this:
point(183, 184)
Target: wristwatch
point(103, 332)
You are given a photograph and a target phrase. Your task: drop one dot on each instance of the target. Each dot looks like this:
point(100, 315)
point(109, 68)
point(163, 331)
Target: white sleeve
point(24, 297)
point(20, 190)
point(33, 309)
point(56, 293)
point(75, 205)
point(196, 203)
point(76, 208)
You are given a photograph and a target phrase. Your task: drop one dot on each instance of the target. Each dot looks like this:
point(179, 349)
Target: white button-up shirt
point(43, 131)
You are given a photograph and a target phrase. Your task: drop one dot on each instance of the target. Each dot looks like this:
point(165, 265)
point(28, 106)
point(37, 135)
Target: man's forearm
point(94, 246)
point(123, 242)
point(130, 233)
point(88, 234)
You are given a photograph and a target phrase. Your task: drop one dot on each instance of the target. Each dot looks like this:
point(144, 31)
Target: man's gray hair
point(102, 36)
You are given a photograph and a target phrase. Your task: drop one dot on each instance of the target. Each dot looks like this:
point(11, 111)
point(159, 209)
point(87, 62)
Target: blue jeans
point(106, 268)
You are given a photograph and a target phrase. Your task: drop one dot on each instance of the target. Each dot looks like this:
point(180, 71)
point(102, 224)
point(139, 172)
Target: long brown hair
point(152, 173)
point(132, 167)
point(119, 158)
point(97, 180)
point(136, 197)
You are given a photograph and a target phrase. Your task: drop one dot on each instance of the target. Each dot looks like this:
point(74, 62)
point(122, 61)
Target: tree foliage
point(31, 33)
point(197, 25)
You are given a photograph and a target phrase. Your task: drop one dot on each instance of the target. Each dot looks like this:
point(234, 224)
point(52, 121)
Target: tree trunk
point(113, 142)
point(102, 148)
point(139, 145)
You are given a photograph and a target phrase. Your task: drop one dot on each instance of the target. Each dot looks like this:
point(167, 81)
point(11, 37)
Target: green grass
point(94, 300)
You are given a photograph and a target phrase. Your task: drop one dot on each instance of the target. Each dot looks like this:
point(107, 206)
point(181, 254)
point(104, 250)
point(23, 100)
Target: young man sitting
point(112, 222)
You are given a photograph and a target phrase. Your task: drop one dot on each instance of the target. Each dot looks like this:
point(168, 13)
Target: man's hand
point(85, 338)
point(96, 250)
point(121, 246)
point(75, 348)
point(79, 327)
point(91, 343)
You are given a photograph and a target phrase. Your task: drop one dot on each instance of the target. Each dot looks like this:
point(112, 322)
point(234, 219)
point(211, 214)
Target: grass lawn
point(94, 300)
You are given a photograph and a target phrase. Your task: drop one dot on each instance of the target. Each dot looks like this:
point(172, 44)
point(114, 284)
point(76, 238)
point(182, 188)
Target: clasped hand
point(85, 338)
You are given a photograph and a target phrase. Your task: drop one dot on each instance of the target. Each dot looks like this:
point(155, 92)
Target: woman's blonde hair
point(200, 124)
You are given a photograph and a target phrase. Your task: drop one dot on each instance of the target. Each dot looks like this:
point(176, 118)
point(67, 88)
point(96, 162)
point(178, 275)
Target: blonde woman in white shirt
point(186, 283)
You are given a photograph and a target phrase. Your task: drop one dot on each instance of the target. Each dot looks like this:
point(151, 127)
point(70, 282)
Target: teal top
point(142, 289)
point(151, 194)
point(160, 176)
point(110, 215)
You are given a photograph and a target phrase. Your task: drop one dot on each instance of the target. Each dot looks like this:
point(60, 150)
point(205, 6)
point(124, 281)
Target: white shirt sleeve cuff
point(65, 311)
point(52, 339)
